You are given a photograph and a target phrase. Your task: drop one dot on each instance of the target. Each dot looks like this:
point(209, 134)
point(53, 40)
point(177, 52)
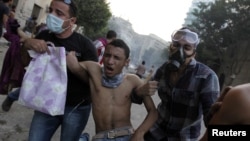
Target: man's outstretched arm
point(77, 68)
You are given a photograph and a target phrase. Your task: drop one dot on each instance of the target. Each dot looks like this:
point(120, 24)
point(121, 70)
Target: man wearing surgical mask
point(187, 89)
point(60, 20)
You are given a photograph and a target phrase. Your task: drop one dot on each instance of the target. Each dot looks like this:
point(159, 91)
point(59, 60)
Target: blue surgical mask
point(55, 24)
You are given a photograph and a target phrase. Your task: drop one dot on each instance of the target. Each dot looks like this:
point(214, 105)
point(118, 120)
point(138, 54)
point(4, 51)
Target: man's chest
point(119, 94)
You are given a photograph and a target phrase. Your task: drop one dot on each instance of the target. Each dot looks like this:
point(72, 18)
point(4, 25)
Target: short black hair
point(72, 7)
point(121, 44)
point(34, 17)
point(13, 8)
point(5, 1)
point(143, 62)
point(111, 34)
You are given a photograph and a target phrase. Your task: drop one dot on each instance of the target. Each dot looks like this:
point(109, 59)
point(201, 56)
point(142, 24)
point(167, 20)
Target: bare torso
point(111, 106)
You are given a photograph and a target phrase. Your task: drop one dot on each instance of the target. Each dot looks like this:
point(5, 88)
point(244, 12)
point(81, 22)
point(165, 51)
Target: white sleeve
point(97, 44)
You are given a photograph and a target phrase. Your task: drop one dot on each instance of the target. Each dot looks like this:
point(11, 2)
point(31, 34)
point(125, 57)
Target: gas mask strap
point(191, 54)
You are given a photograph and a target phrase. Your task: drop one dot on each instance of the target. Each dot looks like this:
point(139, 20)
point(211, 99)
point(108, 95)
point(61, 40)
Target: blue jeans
point(14, 95)
point(73, 122)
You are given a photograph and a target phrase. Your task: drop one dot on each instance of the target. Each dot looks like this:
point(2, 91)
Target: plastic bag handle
point(50, 44)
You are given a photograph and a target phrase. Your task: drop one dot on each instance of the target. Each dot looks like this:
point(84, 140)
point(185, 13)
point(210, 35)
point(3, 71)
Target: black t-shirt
point(77, 90)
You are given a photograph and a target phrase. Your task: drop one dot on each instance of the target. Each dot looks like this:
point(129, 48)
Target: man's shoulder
point(130, 75)
point(80, 36)
point(133, 79)
point(5, 9)
point(240, 96)
point(236, 104)
point(44, 34)
point(92, 64)
point(203, 69)
point(3, 5)
point(241, 91)
point(81, 39)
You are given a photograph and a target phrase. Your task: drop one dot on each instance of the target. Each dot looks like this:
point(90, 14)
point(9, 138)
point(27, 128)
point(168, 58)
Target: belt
point(111, 134)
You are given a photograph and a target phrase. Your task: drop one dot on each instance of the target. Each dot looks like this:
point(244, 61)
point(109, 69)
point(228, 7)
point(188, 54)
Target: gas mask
point(179, 57)
point(176, 59)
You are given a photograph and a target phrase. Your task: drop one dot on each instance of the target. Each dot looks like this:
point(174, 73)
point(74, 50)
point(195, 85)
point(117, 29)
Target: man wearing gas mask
point(187, 89)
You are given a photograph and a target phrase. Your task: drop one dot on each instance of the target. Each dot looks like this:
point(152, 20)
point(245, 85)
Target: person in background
point(4, 14)
point(111, 94)
point(152, 69)
point(13, 69)
point(60, 20)
point(10, 99)
point(13, 8)
point(41, 27)
point(187, 89)
point(30, 26)
point(231, 108)
point(151, 72)
point(141, 69)
point(101, 44)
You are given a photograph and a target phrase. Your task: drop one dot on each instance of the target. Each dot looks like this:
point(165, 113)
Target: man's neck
point(65, 34)
point(112, 82)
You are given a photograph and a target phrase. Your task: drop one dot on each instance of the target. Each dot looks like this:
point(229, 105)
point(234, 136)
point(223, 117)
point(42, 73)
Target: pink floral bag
point(44, 85)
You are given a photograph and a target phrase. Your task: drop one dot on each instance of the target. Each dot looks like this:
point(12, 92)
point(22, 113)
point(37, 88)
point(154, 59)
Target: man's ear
point(73, 20)
point(170, 48)
point(127, 62)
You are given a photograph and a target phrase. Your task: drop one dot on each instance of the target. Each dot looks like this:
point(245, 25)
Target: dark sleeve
point(157, 75)
point(159, 72)
point(89, 52)
point(43, 34)
point(6, 11)
point(135, 98)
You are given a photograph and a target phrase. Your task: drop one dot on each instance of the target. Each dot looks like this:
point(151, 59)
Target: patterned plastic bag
point(44, 85)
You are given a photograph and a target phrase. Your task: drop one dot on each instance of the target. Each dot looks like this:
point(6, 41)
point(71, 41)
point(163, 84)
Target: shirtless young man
point(231, 108)
point(111, 94)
